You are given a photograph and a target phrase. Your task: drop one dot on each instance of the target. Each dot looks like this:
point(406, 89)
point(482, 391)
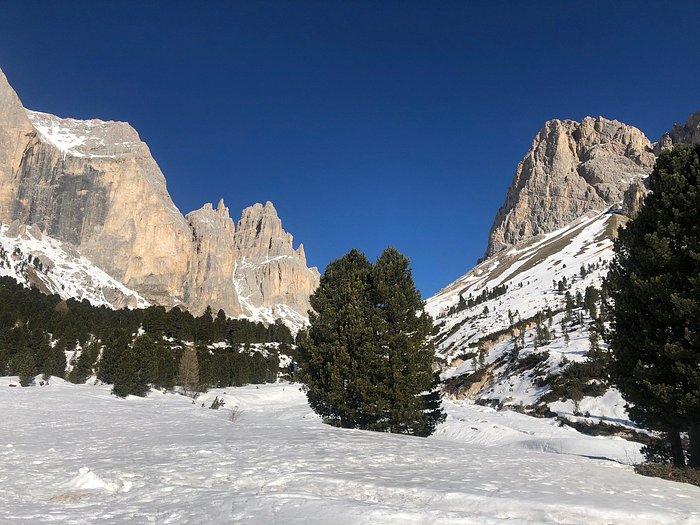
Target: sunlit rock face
point(95, 184)
point(572, 168)
point(269, 270)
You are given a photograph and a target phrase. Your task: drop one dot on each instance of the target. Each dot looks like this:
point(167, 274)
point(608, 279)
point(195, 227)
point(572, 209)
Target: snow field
point(75, 454)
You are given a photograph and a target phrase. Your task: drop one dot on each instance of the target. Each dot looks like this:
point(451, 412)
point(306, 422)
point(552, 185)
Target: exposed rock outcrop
point(211, 276)
point(681, 134)
point(55, 267)
point(95, 185)
point(269, 271)
point(15, 133)
point(633, 199)
point(571, 168)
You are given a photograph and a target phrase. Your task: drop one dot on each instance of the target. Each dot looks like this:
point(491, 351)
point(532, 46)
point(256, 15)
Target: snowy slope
point(75, 454)
point(531, 272)
point(55, 267)
point(266, 314)
point(84, 138)
point(528, 270)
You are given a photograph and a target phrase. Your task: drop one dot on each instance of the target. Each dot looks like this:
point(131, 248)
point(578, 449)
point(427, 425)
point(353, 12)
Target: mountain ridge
point(95, 184)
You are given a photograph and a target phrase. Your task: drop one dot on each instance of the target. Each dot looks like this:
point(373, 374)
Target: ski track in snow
point(74, 454)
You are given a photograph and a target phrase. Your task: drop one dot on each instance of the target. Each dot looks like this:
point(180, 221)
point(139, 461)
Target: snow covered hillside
point(55, 267)
point(75, 454)
point(505, 328)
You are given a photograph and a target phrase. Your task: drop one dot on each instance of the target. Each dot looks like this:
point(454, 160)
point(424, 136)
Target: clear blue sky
point(368, 124)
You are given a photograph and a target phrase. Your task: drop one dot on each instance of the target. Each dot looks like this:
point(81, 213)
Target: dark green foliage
point(163, 364)
point(670, 472)
point(542, 335)
point(27, 317)
point(134, 369)
point(654, 284)
point(337, 377)
point(53, 363)
point(26, 368)
point(577, 381)
point(590, 301)
point(367, 353)
point(223, 367)
point(486, 295)
point(531, 361)
point(84, 366)
point(114, 346)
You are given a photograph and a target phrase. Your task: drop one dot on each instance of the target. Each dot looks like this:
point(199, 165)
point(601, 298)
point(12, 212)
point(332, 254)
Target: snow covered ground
point(75, 454)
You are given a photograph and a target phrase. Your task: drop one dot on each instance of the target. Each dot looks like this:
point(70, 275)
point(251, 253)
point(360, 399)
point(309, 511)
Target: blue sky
point(368, 124)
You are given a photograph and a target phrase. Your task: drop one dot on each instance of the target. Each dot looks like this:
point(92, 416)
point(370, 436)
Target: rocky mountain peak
point(260, 233)
point(571, 168)
point(92, 138)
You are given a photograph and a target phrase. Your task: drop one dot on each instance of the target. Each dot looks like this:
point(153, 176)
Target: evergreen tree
point(369, 358)
point(55, 363)
point(404, 330)
point(26, 368)
point(336, 376)
point(654, 282)
point(82, 369)
point(188, 376)
point(133, 373)
point(239, 369)
point(111, 356)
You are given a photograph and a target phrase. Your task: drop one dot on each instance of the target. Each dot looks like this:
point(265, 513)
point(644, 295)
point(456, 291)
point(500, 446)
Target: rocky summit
point(572, 168)
point(94, 184)
point(522, 328)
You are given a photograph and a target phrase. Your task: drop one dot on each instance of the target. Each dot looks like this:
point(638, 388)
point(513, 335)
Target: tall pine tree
point(367, 355)
point(654, 282)
point(338, 335)
point(403, 330)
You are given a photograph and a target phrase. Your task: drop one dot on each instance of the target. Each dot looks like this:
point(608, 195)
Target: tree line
point(131, 349)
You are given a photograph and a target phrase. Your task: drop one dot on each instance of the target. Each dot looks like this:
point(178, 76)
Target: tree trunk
point(674, 437)
point(694, 448)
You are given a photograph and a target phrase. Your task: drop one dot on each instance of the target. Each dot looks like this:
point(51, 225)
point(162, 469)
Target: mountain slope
point(54, 267)
point(525, 326)
point(529, 271)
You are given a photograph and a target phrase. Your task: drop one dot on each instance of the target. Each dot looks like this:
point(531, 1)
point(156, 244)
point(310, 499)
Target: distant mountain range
point(93, 188)
point(86, 214)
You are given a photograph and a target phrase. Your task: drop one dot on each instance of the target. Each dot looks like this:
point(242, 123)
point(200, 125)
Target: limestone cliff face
point(211, 278)
point(571, 168)
point(269, 271)
point(15, 133)
point(95, 184)
point(633, 199)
